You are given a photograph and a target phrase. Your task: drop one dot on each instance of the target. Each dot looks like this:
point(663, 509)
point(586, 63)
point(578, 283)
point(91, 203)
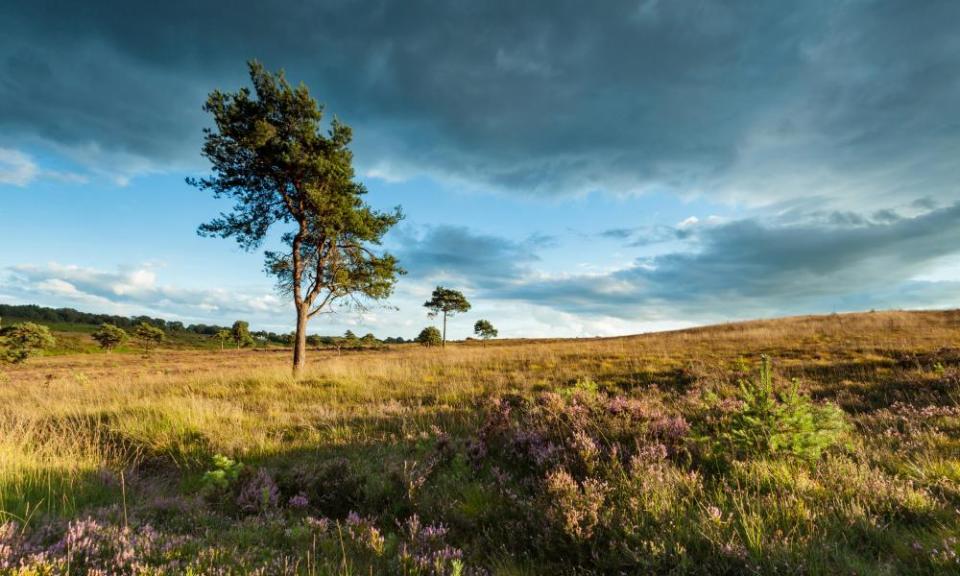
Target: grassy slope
point(881, 504)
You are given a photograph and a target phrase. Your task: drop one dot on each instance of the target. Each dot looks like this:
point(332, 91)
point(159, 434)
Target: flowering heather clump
point(533, 446)
point(258, 493)
point(365, 533)
point(91, 546)
point(575, 507)
point(587, 449)
point(648, 454)
point(10, 542)
point(579, 432)
point(907, 424)
point(671, 430)
point(299, 502)
point(98, 546)
point(424, 550)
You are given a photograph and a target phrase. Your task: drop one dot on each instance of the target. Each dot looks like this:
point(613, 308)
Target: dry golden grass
point(71, 425)
point(64, 417)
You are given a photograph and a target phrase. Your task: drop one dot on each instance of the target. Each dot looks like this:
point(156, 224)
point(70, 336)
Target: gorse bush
point(771, 423)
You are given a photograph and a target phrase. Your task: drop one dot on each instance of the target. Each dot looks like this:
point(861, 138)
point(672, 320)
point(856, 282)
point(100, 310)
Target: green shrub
point(24, 340)
point(429, 336)
point(224, 474)
point(784, 423)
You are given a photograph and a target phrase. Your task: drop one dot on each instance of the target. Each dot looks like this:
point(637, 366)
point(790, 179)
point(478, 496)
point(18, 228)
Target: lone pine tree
point(271, 156)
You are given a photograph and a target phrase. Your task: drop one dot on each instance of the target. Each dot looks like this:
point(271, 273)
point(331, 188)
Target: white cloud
point(135, 291)
point(58, 287)
point(136, 281)
point(17, 168)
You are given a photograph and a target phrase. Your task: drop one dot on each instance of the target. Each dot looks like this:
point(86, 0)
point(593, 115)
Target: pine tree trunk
point(300, 342)
point(443, 343)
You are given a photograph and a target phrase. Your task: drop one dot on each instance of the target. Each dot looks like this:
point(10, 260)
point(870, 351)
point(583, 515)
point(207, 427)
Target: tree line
point(42, 314)
point(34, 313)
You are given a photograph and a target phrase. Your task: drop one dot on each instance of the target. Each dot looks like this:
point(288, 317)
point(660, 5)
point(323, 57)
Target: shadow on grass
point(47, 493)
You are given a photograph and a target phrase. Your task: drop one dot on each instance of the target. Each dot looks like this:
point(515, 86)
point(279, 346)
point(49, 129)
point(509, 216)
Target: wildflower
point(259, 494)
point(299, 501)
point(575, 507)
point(321, 525)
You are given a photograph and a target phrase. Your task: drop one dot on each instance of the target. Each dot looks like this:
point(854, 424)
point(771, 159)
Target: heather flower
point(476, 452)
point(321, 525)
point(671, 430)
point(648, 454)
point(574, 507)
point(617, 405)
point(532, 445)
point(424, 550)
point(259, 494)
point(586, 448)
point(299, 502)
point(9, 540)
point(363, 532)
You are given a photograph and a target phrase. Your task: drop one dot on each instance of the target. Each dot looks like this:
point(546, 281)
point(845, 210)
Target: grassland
point(518, 457)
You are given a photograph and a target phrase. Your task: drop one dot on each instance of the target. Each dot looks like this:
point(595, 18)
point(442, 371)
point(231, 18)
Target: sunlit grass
point(70, 426)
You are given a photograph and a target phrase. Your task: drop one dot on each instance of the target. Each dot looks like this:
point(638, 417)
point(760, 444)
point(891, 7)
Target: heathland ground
point(662, 453)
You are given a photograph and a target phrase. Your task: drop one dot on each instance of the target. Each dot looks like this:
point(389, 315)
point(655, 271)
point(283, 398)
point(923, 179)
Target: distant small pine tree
point(223, 335)
point(148, 336)
point(109, 336)
point(485, 330)
point(21, 341)
point(446, 303)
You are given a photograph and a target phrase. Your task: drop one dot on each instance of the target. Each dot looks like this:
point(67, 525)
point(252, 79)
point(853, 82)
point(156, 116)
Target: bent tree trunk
point(300, 341)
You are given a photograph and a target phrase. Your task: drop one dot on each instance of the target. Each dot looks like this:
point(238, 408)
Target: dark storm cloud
point(457, 253)
point(646, 235)
point(754, 101)
point(749, 267)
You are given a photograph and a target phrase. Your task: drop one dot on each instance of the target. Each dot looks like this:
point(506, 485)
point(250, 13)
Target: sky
point(576, 169)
